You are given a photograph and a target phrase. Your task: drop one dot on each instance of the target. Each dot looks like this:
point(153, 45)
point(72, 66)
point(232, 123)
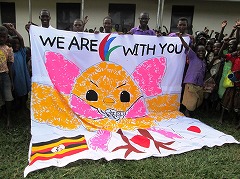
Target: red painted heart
point(141, 140)
point(194, 129)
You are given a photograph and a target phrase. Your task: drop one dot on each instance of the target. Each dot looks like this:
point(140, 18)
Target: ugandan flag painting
point(57, 148)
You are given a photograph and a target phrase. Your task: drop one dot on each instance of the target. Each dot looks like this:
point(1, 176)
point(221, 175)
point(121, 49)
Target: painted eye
point(125, 96)
point(91, 95)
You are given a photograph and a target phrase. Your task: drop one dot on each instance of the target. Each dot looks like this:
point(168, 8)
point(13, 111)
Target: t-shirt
point(196, 69)
point(235, 66)
point(139, 31)
point(6, 55)
point(173, 34)
point(235, 62)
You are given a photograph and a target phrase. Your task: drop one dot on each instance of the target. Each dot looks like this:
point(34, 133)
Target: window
point(66, 14)
point(7, 10)
point(181, 11)
point(123, 15)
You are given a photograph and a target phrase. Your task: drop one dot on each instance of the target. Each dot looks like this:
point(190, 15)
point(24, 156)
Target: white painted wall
point(206, 13)
point(210, 14)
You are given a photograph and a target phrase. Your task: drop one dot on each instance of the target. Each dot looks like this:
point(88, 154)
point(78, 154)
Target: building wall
point(210, 14)
point(206, 13)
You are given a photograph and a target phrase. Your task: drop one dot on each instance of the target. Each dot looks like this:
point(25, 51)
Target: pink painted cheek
point(83, 109)
point(149, 75)
point(137, 110)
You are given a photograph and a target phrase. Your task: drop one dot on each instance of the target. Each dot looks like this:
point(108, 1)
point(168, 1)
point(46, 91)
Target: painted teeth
point(112, 114)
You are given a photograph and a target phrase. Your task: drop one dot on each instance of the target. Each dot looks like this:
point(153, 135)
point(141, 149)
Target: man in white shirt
point(45, 18)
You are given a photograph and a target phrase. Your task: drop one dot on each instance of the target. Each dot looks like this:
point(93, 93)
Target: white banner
point(109, 96)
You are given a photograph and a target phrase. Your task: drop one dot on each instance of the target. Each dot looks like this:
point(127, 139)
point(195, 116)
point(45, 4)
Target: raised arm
point(220, 37)
point(85, 20)
point(238, 31)
point(210, 35)
point(224, 46)
point(15, 32)
point(186, 46)
point(233, 31)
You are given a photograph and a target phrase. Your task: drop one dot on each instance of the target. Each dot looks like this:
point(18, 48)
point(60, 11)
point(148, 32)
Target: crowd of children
point(210, 60)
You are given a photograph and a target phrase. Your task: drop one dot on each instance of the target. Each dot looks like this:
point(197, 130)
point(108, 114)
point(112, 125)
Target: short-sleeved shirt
point(235, 66)
point(173, 34)
point(6, 55)
point(235, 62)
point(196, 69)
point(138, 31)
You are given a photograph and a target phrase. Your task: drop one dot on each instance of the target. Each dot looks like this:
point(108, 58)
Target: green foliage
point(216, 162)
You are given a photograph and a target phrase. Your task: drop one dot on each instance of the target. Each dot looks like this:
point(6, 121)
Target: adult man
point(182, 29)
point(78, 24)
point(44, 17)
point(143, 28)
point(107, 24)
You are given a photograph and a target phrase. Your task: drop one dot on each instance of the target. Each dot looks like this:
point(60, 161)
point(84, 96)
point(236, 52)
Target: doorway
point(123, 16)
point(66, 14)
point(182, 11)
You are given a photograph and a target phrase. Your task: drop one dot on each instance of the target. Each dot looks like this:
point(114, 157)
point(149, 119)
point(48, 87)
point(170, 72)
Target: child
point(193, 92)
point(6, 60)
point(21, 77)
point(231, 98)
point(212, 77)
point(232, 44)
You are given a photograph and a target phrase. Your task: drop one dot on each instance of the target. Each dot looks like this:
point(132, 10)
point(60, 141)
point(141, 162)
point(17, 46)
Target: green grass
point(216, 162)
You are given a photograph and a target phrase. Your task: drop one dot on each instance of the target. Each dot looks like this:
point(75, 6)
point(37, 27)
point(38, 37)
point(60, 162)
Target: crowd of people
point(210, 62)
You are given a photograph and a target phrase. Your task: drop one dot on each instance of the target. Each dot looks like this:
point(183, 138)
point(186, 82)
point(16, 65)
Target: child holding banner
point(6, 60)
point(193, 92)
point(182, 27)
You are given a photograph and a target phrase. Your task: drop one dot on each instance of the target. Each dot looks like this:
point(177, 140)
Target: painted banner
point(109, 96)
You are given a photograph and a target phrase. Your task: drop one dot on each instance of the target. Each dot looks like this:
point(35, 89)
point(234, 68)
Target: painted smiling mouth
point(112, 114)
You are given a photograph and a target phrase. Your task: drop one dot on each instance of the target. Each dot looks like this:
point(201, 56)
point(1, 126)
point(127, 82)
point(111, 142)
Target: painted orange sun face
point(107, 86)
point(104, 96)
